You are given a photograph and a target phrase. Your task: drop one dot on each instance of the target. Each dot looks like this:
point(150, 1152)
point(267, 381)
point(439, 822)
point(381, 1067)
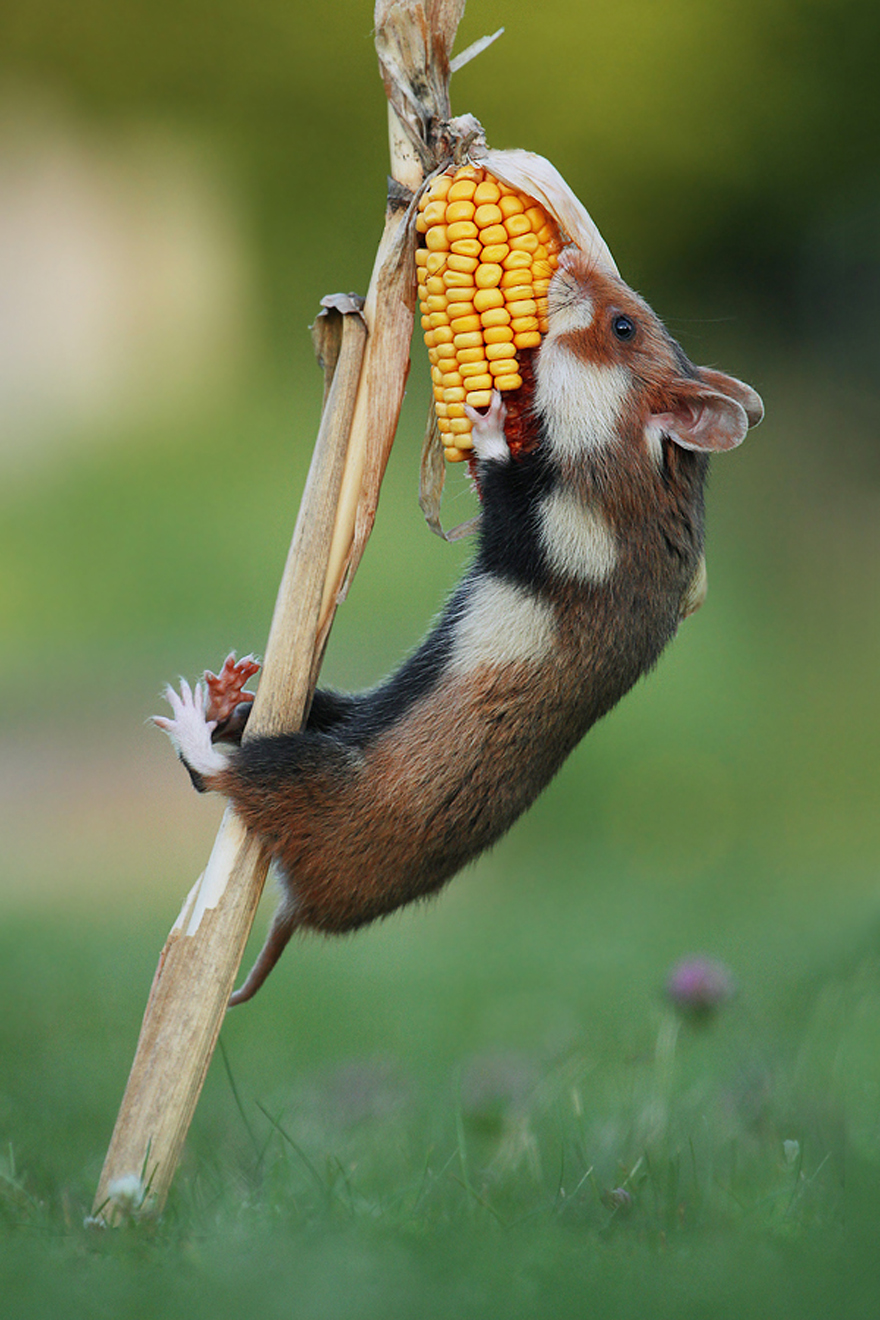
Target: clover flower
point(698, 987)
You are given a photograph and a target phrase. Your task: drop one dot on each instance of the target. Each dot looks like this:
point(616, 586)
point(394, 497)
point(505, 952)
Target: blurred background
point(179, 186)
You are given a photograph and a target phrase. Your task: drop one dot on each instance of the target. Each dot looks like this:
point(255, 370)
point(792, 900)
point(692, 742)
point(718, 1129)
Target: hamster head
point(610, 374)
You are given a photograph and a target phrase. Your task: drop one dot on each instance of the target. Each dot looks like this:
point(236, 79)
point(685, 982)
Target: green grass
point(429, 1119)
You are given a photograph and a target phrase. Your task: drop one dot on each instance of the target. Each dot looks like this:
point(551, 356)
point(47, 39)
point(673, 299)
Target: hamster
point(590, 552)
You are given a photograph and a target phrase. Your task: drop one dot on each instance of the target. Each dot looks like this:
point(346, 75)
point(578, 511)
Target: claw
point(225, 690)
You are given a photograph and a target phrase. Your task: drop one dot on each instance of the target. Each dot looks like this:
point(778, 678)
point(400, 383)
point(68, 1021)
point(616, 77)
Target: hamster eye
point(623, 327)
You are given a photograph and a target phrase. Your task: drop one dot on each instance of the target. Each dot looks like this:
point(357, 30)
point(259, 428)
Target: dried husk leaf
point(534, 175)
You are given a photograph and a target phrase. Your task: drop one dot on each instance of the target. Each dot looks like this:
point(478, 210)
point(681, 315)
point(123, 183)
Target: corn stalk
point(366, 355)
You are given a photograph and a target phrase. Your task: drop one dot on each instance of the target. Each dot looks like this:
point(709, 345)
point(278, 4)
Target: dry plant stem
point(198, 965)
point(414, 44)
point(288, 667)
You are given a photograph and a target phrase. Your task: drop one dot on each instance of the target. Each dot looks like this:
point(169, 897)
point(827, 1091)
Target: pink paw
point(225, 690)
point(190, 728)
point(490, 442)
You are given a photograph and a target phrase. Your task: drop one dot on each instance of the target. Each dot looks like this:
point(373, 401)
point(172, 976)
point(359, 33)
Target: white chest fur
point(580, 403)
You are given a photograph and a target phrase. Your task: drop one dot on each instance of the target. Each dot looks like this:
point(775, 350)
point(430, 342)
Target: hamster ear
point(748, 398)
point(711, 413)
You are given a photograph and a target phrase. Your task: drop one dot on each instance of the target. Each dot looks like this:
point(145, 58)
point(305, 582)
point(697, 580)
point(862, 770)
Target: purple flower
point(699, 986)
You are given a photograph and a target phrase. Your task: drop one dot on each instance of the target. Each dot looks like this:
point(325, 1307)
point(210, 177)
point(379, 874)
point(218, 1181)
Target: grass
point(386, 1132)
point(437, 1117)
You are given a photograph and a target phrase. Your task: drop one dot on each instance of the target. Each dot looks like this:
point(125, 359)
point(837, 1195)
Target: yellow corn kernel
point(484, 216)
point(462, 190)
point(517, 224)
point(487, 191)
point(511, 205)
point(528, 339)
point(462, 324)
point(458, 279)
point(466, 247)
point(494, 316)
point(459, 230)
point(479, 398)
point(439, 188)
point(433, 214)
point(456, 211)
point(525, 242)
point(484, 299)
point(496, 351)
point(494, 234)
point(502, 368)
point(513, 286)
point(517, 261)
point(436, 240)
point(488, 275)
point(486, 258)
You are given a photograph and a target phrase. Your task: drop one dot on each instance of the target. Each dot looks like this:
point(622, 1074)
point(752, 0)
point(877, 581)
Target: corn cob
point(487, 256)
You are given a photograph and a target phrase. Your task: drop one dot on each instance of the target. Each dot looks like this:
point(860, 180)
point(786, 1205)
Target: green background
point(446, 1081)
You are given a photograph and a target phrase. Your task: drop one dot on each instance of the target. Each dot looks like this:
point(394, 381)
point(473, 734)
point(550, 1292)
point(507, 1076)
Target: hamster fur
point(590, 552)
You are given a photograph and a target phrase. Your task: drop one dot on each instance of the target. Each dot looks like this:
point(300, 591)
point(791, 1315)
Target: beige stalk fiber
point(198, 965)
